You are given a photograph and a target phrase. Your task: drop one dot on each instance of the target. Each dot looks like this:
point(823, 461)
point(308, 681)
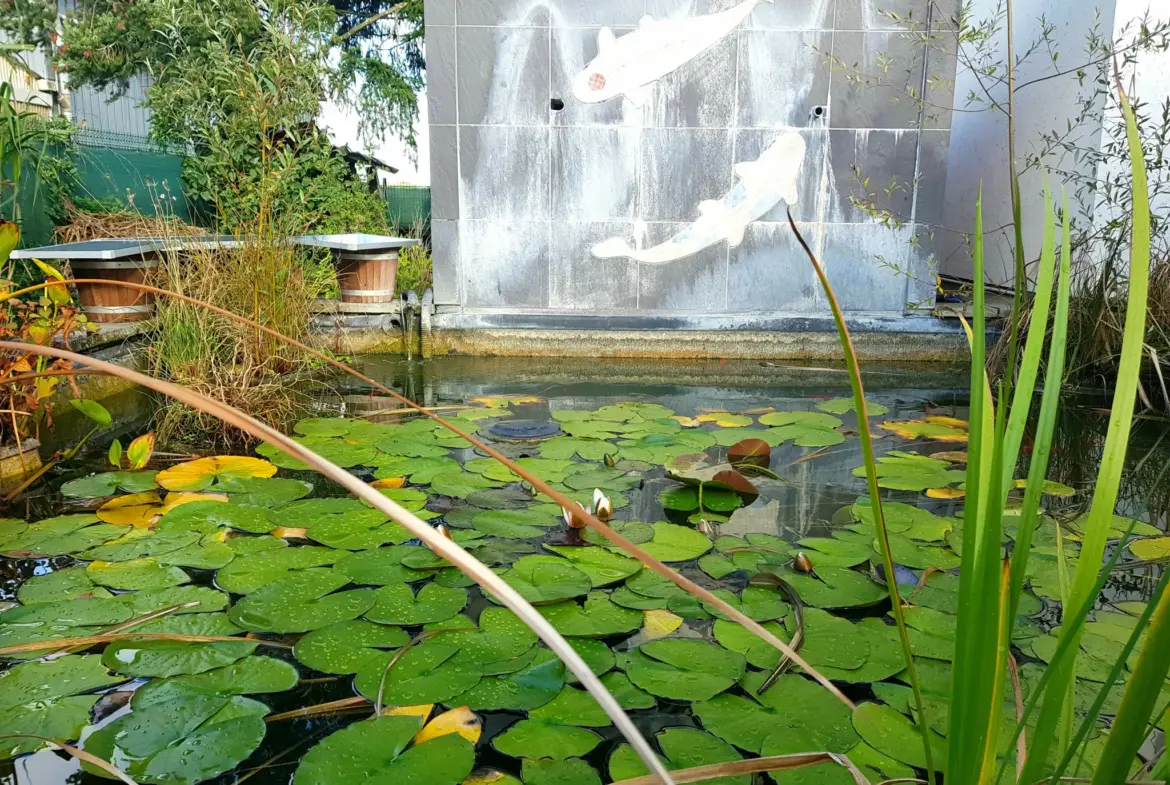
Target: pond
point(329, 592)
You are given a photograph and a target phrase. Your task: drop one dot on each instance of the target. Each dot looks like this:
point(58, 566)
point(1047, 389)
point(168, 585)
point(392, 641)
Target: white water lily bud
point(570, 519)
point(602, 506)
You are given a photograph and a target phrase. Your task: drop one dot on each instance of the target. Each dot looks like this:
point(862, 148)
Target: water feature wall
point(555, 187)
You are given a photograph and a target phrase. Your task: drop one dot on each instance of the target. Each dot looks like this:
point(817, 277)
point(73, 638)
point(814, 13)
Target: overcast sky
point(342, 123)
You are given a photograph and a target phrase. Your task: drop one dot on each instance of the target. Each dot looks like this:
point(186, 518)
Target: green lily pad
point(600, 617)
point(918, 556)
point(68, 613)
point(891, 733)
point(513, 524)
point(806, 419)
point(884, 654)
point(181, 742)
point(837, 588)
point(46, 682)
point(57, 536)
point(833, 552)
point(71, 583)
point(418, 470)
point(813, 718)
point(759, 603)
point(324, 426)
point(211, 516)
point(460, 484)
point(635, 532)
point(137, 573)
point(536, 739)
point(912, 472)
point(717, 566)
point(63, 718)
point(397, 604)
point(565, 448)
point(162, 658)
point(596, 654)
point(147, 601)
point(301, 602)
point(358, 531)
point(572, 706)
point(208, 555)
point(500, 499)
point(500, 639)
point(603, 567)
point(248, 676)
point(191, 624)
point(377, 750)
point(673, 543)
point(571, 771)
point(262, 491)
point(682, 748)
point(546, 579)
point(139, 543)
point(686, 498)
point(380, 567)
point(845, 405)
point(424, 674)
point(345, 646)
point(805, 436)
point(244, 576)
point(525, 690)
point(628, 696)
point(109, 483)
point(684, 669)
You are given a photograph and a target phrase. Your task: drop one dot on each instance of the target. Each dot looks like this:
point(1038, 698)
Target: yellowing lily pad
point(939, 429)
point(201, 473)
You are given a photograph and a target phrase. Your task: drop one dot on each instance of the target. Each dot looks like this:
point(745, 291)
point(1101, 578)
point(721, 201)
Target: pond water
point(282, 555)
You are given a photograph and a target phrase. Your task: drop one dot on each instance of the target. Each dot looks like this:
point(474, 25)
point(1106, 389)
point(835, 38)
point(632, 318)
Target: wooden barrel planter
point(367, 277)
point(114, 304)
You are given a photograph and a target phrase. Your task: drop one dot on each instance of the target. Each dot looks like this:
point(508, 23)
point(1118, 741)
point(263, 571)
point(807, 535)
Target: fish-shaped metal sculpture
point(763, 183)
point(626, 66)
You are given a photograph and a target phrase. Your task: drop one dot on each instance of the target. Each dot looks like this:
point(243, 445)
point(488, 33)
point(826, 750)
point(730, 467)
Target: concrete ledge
point(947, 346)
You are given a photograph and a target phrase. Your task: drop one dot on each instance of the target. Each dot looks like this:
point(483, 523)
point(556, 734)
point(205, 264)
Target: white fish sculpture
point(763, 183)
point(627, 65)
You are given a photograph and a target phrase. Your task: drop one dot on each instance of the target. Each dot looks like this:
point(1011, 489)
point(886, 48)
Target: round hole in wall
point(818, 112)
point(557, 104)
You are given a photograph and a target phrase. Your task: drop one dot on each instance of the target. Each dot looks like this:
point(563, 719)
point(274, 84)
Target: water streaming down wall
point(522, 191)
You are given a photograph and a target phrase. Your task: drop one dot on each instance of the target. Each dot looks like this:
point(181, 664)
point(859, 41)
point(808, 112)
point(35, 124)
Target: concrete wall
point(521, 192)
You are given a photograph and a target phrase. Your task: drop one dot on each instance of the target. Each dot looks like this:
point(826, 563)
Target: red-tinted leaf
point(737, 482)
point(754, 452)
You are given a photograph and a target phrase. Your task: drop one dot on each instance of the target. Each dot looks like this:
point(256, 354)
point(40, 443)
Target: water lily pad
point(759, 603)
point(109, 483)
point(731, 635)
point(514, 524)
point(324, 426)
point(571, 771)
point(191, 624)
point(56, 536)
point(460, 484)
point(891, 733)
point(884, 654)
point(357, 531)
point(566, 447)
point(424, 674)
point(380, 567)
point(604, 567)
point(837, 588)
point(918, 556)
point(845, 405)
point(686, 498)
point(397, 604)
point(1151, 548)
point(71, 583)
point(628, 696)
point(209, 516)
point(248, 676)
point(162, 658)
point(797, 707)
point(684, 669)
point(40, 698)
point(301, 602)
point(202, 556)
point(136, 574)
point(377, 750)
point(244, 576)
point(536, 739)
point(262, 491)
point(911, 472)
point(673, 543)
point(526, 689)
point(419, 470)
point(201, 473)
point(832, 552)
point(682, 748)
point(1118, 526)
point(345, 646)
point(575, 707)
point(600, 617)
point(717, 566)
point(546, 579)
point(598, 656)
point(147, 601)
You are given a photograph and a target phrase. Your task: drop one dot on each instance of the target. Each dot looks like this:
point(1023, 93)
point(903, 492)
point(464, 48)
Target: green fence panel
point(407, 205)
point(131, 171)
